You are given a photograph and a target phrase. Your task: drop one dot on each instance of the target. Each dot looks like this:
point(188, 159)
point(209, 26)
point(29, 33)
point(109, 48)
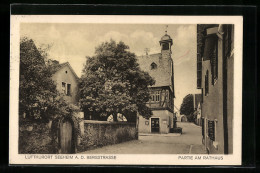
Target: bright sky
point(73, 42)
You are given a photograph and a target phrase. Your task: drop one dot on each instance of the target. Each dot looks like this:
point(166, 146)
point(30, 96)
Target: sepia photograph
point(126, 89)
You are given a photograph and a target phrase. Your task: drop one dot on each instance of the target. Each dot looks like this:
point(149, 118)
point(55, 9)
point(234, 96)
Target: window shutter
point(199, 70)
point(211, 130)
point(202, 96)
point(227, 39)
point(210, 43)
point(202, 127)
point(214, 62)
point(207, 83)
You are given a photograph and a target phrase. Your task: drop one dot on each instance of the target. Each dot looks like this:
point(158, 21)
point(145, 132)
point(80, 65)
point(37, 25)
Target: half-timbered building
point(160, 67)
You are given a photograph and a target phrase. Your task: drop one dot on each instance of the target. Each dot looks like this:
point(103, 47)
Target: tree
point(187, 107)
point(113, 83)
point(39, 101)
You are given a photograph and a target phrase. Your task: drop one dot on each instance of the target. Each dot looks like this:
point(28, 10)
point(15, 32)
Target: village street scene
point(126, 89)
point(189, 142)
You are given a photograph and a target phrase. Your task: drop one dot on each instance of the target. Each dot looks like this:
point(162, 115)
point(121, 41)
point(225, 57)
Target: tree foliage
point(187, 107)
point(39, 100)
point(112, 83)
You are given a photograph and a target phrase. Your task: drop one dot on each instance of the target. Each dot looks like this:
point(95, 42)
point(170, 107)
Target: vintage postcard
point(125, 90)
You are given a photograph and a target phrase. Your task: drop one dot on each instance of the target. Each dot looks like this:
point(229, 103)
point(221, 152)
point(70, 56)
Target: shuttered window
point(207, 83)
point(227, 39)
point(202, 95)
point(214, 63)
point(202, 127)
point(210, 45)
point(211, 53)
point(199, 70)
point(211, 130)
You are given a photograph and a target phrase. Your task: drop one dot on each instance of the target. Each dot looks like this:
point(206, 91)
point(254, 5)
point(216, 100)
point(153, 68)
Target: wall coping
point(104, 122)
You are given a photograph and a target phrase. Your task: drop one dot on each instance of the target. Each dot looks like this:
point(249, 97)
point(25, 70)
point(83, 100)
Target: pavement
point(187, 143)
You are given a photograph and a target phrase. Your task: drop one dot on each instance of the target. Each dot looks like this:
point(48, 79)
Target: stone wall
point(36, 139)
point(102, 133)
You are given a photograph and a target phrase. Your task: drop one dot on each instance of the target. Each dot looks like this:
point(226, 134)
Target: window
point(210, 45)
point(63, 87)
point(153, 66)
point(207, 83)
point(202, 95)
point(202, 127)
point(211, 130)
point(214, 63)
point(199, 70)
point(206, 127)
point(155, 96)
point(165, 46)
point(66, 88)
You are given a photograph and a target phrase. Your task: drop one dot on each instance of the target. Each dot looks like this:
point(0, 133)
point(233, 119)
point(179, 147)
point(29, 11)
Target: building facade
point(215, 68)
point(197, 108)
point(160, 67)
point(66, 81)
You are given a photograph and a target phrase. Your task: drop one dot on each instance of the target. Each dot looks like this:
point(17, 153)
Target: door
point(66, 137)
point(155, 126)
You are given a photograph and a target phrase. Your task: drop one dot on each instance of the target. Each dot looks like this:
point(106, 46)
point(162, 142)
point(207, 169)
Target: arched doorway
point(66, 137)
point(183, 119)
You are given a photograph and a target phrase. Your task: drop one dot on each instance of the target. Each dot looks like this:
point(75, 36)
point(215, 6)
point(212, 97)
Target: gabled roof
point(57, 67)
point(161, 79)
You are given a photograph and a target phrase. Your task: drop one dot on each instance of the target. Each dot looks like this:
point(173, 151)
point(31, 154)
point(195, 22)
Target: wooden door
point(66, 137)
point(155, 125)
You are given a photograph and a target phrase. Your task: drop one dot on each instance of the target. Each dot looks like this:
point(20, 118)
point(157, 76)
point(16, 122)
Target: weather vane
point(166, 29)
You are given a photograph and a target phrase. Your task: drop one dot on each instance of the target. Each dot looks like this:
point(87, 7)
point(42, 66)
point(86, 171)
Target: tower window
point(153, 66)
point(165, 46)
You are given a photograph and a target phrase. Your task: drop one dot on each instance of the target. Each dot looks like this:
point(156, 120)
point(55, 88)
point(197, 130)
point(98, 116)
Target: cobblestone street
point(187, 143)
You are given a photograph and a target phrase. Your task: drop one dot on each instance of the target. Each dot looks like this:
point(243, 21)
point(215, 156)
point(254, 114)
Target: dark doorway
point(155, 126)
point(66, 137)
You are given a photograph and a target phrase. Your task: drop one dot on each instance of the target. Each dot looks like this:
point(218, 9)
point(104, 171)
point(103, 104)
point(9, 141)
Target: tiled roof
point(162, 78)
point(56, 67)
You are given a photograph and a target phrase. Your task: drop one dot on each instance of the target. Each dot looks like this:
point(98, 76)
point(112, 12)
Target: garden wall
point(36, 139)
point(101, 133)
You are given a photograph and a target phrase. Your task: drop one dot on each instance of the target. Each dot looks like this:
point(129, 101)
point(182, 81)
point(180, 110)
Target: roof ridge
point(60, 66)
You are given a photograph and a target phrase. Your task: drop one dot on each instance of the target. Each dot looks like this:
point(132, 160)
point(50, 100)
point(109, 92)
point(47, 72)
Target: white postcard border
point(124, 159)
